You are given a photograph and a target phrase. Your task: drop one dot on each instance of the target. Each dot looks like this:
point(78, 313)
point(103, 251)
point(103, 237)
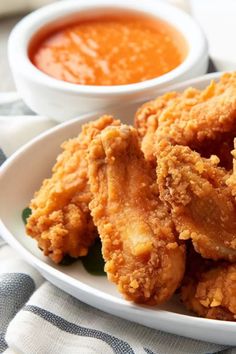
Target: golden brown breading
point(139, 243)
point(231, 181)
point(146, 122)
point(198, 119)
point(209, 289)
point(60, 220)
point(202, 206)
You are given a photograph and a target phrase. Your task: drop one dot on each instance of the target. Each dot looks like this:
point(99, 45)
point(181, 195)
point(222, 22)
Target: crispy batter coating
point(60, 220)
point(147, 120)
point(209, 288)
point(202, 206)
point(139, 242)
point(231, 181)
point(202, 120)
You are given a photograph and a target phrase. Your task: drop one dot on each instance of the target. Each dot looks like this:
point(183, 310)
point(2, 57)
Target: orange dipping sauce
point(113, 50)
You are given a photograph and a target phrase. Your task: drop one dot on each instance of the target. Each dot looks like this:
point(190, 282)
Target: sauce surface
point(109, 51)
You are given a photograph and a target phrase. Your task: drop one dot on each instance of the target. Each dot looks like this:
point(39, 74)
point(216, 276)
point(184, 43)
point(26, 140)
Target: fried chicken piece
point(60, 220)
point(146, 122)
point(139, 242)
point(202, 206)
point(198, 119)
point(209, 288)
point(231, 181)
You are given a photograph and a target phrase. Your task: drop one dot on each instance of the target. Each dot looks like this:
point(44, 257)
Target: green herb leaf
point(67, 260)
point(93, 262)
point(25, 214)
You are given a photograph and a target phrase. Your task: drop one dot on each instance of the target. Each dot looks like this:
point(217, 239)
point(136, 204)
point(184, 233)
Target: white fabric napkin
point(217, 19)
point(38, 318)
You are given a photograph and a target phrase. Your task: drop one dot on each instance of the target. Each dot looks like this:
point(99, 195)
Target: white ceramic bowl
point(62, 100)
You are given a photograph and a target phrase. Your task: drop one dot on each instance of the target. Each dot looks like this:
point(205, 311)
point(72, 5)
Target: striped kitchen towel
point(37, 318)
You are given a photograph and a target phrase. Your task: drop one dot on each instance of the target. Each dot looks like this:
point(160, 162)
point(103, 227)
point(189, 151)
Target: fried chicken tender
point(209, 289)
point(202, 206)
point(203, 120)
point(139, 242)
point(60, 220)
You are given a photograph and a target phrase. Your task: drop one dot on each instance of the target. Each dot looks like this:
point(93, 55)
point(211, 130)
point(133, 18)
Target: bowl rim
point(23, 32)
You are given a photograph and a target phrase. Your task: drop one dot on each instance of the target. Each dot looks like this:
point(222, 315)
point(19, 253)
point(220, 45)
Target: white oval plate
point(23, 173)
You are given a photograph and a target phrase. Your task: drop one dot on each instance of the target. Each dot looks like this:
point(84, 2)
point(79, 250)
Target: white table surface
point(6, 25)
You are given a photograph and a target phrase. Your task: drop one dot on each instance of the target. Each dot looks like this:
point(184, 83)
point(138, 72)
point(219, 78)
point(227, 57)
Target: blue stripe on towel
point(119, 346)
point(2, 157)
point(15, 291)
